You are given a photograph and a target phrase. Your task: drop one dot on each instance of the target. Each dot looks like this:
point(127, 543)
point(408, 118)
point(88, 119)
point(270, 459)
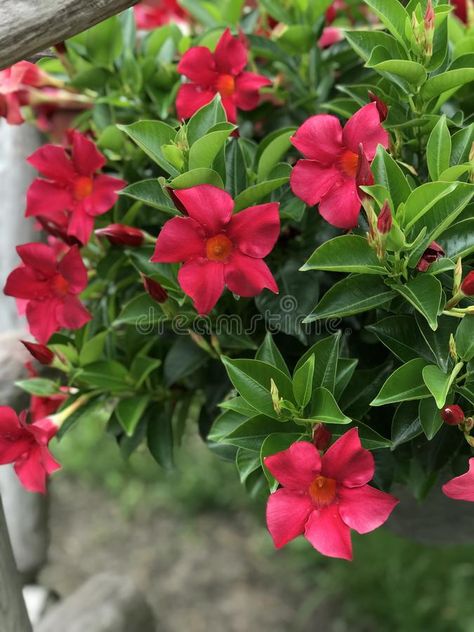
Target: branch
point(30, 26)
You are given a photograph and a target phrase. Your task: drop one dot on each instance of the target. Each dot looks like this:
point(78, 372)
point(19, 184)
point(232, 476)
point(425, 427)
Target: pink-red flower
point(40, 352)
point(26, 446)
point(460, 9)
point(324, 497)
point(73, 191)
point(219, 72)
point(331, 35)
point(218, 248)
point(461, 487)
point(16, 84)
point(327, 176)
point(49, 287)
point(150, 14)
point(431, 254)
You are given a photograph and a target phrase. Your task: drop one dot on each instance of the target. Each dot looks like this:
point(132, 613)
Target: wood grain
point(13, 616)
point(29, 26)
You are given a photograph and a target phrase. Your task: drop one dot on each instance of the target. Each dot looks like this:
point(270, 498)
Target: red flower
point(324, 497)
point(39, 352)
point(461, 487)
point(431, 254)
point(467, 286)
point(221, 71)
point(460, 9)
point(330, 36)
point(26, 445)
point(385, 219)
point(155, 290)
point(332, 11)
point(73, 191)
point(150, 14)
point(219, 248)
point(15, 85)
point(122, 235)
point(49, 287)
point(328, 175)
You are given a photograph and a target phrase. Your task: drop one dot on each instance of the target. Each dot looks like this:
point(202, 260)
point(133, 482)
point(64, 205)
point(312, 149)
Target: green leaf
point(325, 408)
point(273, 152)
point(236, 172)
point(439, 382)
point(465, 338)
point(461, 144)
point(364, 43)
point(326, 354)
point(130, 411)
point(345, 371)
point(422, 199)
point(393, 15)
point(150, 136)
point(449, 80)
point(430, 417)
point(160, 436)
point(255, 193)
point(204, 119)
point(400, 334)
point(404, 384)
point(303, 382)
point(424, 292)
point(224, 424)
point(410, 71)
point(142, 312)
point(387, 173)
point(142, 367)
point(246, 462)
point(458, 240)
point(350, 296)
point(197, 176)
point(92, 349)
point(438, 149)
point(405, 424)
point(253, 432)
point(205, 149)
point(104, 42)
point(182, 359)
point(348, 253)
point(437, 341)
point(151, 193)
point(110, 376)
point(268, 352)
point(252, 379)
point(39, 386)
point(239, 405)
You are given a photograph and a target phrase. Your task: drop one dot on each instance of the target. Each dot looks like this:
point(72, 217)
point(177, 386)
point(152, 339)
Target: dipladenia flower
point(73, 191)
point(385, 219)
point(26, 446)
point(155, 290)
point(218, 248)
point(219, 72)
point(328, 174)
point(121, 235)
point(324, 497)
point(461, 487)
point(49, 287)
point(150, 14)
point(431, 254)
point(40, 352)
point(460, 9)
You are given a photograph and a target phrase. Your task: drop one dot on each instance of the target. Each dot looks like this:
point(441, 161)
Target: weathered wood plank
point(29, 26)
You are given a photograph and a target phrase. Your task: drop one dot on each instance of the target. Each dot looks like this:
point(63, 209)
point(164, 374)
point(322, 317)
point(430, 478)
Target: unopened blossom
point(382, 107)
point(324, 497)
point(321, 436)
point(73, 191)
point(219, 248)
point(327, 175)
point(461, 487)
point(122, 235)
point(431, 254)
point(461, 8)
point(453, 415)
point(49, 289)
point(219, 72)
point(150, 14)
point(155, 290)
point(385, 219)
point(467, 286)
point(39, 352)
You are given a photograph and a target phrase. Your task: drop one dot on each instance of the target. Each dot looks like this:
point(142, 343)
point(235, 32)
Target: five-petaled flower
point(48, 287)
point(328, 173)
point(26, 446)
point(219, 72)
point(324, 497)
point(461, 487)
point(73, 192)
point(218, 248)
point(149, 14)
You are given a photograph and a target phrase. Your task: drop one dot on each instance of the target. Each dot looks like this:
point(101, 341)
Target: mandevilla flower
point(452, 415)
point(324, 497)
point(219, 72)
point(49, 287)
point(328, 174)
point(26, 446)
point(73, 191)
point(461, 487)
point(467, 286)
point(155, 290)
point(331, 35)
point(431, 254)
point(39, 352)
point(460, 9)
point(149, 14)
point(218, 248)
point(122, 235)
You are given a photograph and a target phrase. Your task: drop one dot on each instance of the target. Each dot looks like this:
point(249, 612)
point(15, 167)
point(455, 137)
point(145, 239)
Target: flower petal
point(23, 284)
point(203, 281)
point(104, 194)
point(461, 487)
point(340, 206)
point(311, 182)
point(81, 224)
point(256, 229)
point(326, 531)
point(347, 461)
point(247, 86)
point(287, 514)
point(210, 206)
point(198, 65)
point(365, 127)
point(319, 138)
point(47, 199)
point(228, 103)
point(32, 472)
point(230, 54)
point(42, 318)
point(247, 276)
point(191, 97)
point(365, 508)
point(180, 239)
point(39, 257)
point(86, 158)
point(72, 314)
point(296, 467)
point(73, 270)
point(53, 162)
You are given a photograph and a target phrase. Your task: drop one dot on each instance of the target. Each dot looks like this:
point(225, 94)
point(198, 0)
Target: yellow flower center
point(219, 248)
point(349, 162)
point(322, 491)
point(83, 186)
point(226, 85)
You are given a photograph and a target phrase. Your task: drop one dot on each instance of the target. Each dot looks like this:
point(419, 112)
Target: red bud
point(384, 220)
point(321, 436)
point(155, 290)
point(121, 235)
point(364, 176)
point(431, 254)
point(429, 16)
point(452, 415)
point(467, 286)
point(382, 107)
point(39, 352)
point(176, 201)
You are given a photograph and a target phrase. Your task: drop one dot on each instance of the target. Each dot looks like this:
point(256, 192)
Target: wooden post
point(13, 615)
point(30, 26)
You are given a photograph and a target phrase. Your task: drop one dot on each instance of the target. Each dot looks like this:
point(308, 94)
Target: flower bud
point(382, 107)
point(364, 176)
point(39, 352)
point(452, 415)
point(429, 16)
point(384, 220)
point(121, 235)
point(467, 286)
point(321, 436)
point(431, 254)
point(155, 290)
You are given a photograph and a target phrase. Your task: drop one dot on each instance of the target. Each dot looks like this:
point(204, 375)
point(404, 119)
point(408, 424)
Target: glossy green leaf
point(437, 382)
point(160, 436)
point(129, 412)
point(92, 349)
point(400, 334)
point(39, 386)
point(424, 292)
point(438, 149)
point(449, 80)
point(422, 199)
point(388, 174)
point(205, 149)
point(253, 432)
point(303, 382)
point(246, 462)
point(405, 423)
point(150, 136)
point(348, 253)
point(404, 384)
point(109, 376)
point(324, 408)
point(195, 177)
point(273, 152)
point(465, 338)
point(268, 352)
point(430, 417)
point(204, 119)
point(326, 354)
point(150, 193)
point(393, 15)
point(254, 194)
